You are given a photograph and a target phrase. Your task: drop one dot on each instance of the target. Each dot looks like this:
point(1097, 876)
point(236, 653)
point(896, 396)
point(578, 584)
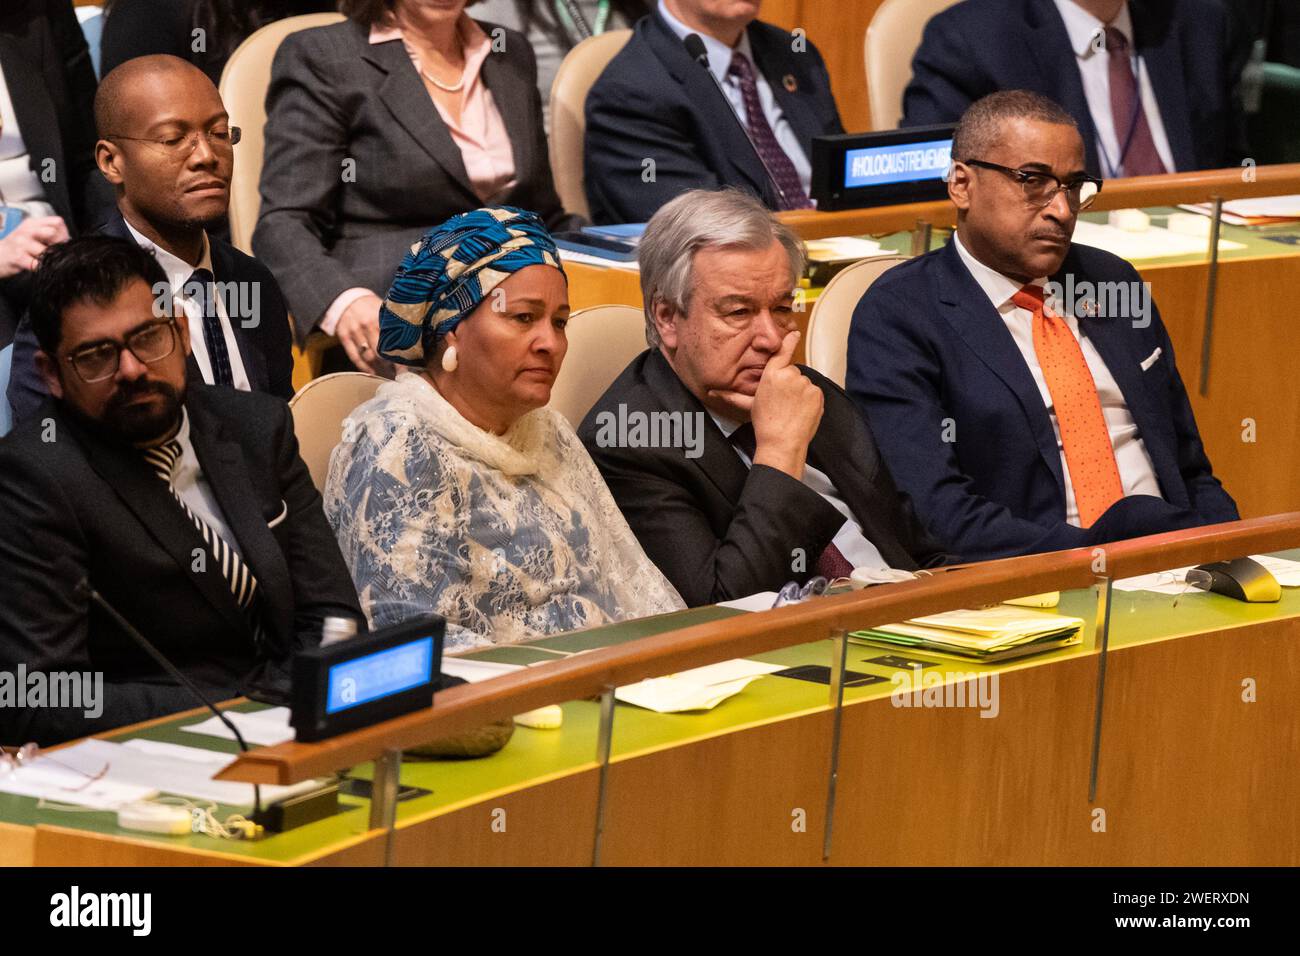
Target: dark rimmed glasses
point(149, 344)
point(1041, 188)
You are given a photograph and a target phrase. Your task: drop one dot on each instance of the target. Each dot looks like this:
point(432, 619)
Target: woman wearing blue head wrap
point(455, 489)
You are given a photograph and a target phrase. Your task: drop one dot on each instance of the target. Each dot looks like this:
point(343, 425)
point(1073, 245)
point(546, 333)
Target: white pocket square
point(1152, 358)
point(284, 513)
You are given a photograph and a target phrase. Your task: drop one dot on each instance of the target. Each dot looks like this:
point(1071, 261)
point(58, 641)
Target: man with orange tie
point(1022, 388)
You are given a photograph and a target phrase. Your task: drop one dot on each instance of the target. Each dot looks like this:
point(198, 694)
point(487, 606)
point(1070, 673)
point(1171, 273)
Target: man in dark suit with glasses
point(1023, 387)
point(167, 148)
point(185, 505)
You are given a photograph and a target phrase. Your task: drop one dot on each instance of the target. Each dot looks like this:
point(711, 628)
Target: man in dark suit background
point(186, 506)
point(771, 475)
point(1153, 84)
point(657, 124)
point(167, 148)
point(1020, 425)
point(47, 165)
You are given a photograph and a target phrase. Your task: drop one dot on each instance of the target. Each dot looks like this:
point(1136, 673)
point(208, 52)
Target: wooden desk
point(1189, 772)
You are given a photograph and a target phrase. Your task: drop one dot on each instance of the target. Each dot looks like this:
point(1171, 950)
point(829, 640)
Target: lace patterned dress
point(508, 537)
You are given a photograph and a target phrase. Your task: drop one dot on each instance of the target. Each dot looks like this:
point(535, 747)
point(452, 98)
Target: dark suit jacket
point(81, 506)
point(719, 530)
point(1191, 49)
point(928, 353)
point(265, 345)
point(654, 102)
point(335, 97)
point(52, 85)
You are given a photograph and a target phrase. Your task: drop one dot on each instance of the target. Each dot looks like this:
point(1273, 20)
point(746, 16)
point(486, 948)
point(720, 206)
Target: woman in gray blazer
point(379, 127)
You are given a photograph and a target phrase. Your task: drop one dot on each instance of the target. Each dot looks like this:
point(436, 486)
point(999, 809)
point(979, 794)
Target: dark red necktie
point(1137, 147)
point(831, 563)
point(777, 160)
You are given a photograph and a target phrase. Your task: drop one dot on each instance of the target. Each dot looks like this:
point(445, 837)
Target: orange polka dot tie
point(1084, 436)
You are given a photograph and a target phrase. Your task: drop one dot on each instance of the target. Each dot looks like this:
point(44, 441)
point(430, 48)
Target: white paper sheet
point(762, 601)
point(475, 671)
point(600, 262)
point(1155, 243)
point(261, 728)
point(1174, 580)
point(702, 688)
point(168, 768)
point(43, 778)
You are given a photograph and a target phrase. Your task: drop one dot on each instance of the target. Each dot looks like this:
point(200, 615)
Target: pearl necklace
point(449, 88)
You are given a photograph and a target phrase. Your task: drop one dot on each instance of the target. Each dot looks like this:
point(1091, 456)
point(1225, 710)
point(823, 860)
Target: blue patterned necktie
point(238, 575)
point(778, 162)
point(214, 336)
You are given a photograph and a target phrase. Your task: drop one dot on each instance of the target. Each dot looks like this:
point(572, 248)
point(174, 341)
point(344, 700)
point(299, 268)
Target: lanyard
point(571, 18)
point(1114, 169)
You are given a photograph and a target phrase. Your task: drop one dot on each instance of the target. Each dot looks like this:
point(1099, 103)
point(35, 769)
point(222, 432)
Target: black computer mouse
point(1242, 579)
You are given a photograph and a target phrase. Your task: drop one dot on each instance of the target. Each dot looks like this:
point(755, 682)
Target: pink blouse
point(480, 132)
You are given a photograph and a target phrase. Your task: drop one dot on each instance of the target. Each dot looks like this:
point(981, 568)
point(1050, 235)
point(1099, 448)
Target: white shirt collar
point(719, 53)
point(177, 269)
point(996, 286)
point(1082, 26)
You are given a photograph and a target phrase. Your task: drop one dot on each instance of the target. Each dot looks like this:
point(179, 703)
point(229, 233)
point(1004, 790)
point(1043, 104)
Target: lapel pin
point(789, 82)
point(1088, 308)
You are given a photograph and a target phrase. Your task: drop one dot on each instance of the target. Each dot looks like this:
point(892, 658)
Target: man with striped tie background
point(185, 505)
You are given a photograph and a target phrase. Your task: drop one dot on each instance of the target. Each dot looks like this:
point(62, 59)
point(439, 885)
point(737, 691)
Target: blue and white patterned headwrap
point(453, 268)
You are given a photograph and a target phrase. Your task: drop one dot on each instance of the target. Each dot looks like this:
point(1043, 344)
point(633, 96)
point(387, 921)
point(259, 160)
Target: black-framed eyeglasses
point(149, 344)
point(1041, 188)
point(221, 139)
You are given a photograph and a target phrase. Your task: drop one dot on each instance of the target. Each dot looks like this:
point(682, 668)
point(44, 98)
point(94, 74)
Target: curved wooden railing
point(1169, 189)
point(589, 674)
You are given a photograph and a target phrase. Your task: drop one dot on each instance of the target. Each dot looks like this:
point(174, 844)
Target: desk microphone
point(695, 48)
point(85, 590)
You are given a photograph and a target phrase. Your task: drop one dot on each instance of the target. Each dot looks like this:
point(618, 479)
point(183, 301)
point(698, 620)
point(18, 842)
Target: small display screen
point(379, 675)
point(899, 163)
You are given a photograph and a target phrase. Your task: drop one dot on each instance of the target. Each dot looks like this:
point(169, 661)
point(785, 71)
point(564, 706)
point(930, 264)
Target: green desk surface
point(534, 755)
point(1257, 241)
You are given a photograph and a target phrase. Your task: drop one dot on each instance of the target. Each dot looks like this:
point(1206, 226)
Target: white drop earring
point(449, 359)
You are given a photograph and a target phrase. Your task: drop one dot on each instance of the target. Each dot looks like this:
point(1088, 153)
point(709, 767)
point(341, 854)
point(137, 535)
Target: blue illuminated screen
point(378, 675)
point(900, 163)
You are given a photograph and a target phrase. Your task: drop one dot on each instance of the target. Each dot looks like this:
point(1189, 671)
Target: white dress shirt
point(19, 186)
point(178, 273)
point(1136, 472)
point(850, 539)
point(1094, 70)
point(719, 60)
point(192, 486)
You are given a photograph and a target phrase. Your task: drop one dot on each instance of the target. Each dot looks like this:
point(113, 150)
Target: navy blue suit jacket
point(930, 358)
point(266, 347)
point(1192, 51)
point(654, 102)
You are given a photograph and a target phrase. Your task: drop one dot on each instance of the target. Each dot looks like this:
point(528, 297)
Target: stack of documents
point(988, 634)
point(1263, 211)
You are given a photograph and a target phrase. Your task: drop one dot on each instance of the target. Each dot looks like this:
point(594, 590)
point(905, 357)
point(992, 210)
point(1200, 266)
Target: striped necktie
point(243, 586)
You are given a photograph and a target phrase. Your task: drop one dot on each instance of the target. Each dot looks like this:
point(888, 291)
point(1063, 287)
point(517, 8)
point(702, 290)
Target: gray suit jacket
point(328, 225)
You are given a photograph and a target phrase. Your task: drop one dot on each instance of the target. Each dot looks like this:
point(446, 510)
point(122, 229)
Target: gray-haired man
point(787, 481)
